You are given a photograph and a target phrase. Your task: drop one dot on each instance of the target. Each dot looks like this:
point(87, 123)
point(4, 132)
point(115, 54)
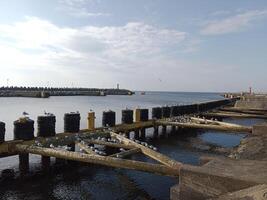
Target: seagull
point(96, 151)
point(92, 148)
point(48, 114)
point(118, 156)
point(25, 113)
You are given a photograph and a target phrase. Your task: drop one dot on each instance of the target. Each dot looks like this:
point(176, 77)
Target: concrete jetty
point(240, 175)
point(45, 92)
point(252, 102)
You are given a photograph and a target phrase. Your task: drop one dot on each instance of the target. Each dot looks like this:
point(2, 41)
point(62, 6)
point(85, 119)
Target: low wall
point(200, 107)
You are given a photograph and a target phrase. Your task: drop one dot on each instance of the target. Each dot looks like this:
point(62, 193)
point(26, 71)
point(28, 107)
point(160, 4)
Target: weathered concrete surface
point(260, 129)
point(258, 192)
point(227, 178)
point(218, 177)
point(253, 147)
point(252, 102)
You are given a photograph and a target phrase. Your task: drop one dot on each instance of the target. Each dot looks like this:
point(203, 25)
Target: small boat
point(143, 93)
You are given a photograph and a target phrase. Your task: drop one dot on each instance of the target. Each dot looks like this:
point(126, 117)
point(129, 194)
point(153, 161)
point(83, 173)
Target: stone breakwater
point(44, 92)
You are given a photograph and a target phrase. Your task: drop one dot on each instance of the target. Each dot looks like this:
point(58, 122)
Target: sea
point(87, 181)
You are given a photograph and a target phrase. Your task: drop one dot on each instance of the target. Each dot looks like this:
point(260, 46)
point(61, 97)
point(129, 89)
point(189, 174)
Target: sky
point(158, 45)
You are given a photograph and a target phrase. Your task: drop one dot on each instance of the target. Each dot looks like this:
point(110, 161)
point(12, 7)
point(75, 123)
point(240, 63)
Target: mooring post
point(143, 118)
point(91, 121)
point(156, 114)
point(71, 125)
point(173, 113)
point(24, 130)
point(127, 118)
point(137, 118)
point(136, 134)
point(2, 132)
point(109, 119)
point(46, 128)
point(166, 111)
point(143, 133)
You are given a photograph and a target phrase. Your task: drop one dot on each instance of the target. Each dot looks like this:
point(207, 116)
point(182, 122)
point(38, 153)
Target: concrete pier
point(241, 176)
point(252, 102)
point(45, 92)
point(218, 177)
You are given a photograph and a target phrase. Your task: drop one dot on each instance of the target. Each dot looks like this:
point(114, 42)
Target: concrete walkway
point(243, 176)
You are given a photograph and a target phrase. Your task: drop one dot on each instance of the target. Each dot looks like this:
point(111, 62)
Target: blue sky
point(174, 45)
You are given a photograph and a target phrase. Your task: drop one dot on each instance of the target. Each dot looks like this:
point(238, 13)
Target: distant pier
point(45, 92)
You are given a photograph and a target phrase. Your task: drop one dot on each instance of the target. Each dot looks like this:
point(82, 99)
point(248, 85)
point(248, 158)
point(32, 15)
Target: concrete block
point(218, 177)
point(260, 129)
point(258, 192)
point(174, 192)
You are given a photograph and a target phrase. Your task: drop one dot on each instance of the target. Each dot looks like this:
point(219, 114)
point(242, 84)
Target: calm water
point(12, 108)
point(96, 182)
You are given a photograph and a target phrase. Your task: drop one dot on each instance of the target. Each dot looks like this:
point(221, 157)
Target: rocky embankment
point(253, 147)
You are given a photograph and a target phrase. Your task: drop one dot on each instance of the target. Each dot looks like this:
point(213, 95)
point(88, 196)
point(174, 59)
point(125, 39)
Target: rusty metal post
point(91, 121)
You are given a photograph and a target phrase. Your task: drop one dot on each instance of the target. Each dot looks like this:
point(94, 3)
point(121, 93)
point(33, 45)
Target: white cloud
point(134, 37)
point(35, 34)
point(38, 45)
point(137, 55)
point(78, 8)
point(231, 24)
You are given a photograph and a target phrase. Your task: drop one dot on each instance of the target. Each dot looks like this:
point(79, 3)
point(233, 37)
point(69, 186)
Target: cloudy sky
point(166, 45)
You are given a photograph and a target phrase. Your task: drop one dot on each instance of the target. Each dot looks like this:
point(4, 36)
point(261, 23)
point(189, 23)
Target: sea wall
point(200, 107)
point(46, 92)
point(252, 102)
point(32, 94)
